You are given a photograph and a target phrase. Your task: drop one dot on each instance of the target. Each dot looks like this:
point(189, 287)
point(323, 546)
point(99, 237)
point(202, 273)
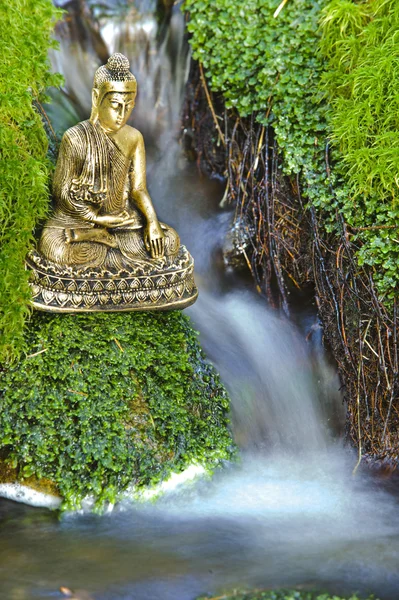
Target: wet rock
point(237, 245)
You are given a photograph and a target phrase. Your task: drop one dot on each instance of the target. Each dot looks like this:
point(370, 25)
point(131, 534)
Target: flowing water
point(290, 513)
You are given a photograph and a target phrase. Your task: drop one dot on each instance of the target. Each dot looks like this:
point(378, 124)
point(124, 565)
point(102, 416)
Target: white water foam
point(23, 493)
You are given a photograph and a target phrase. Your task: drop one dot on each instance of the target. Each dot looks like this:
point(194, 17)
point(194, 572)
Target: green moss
point(10, 474)
point(25, 30)
point(360, 47)
point(265, 65)
point(280, 595)
point(105, 400)
point(271, 67)
point(319, 69)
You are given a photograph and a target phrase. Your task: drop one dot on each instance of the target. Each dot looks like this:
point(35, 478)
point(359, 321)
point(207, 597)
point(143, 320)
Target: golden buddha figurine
point(104, 248)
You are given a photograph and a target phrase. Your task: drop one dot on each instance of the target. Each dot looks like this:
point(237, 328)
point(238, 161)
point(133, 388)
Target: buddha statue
point(103, 248)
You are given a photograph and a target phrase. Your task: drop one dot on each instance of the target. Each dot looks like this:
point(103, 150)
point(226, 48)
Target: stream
point(289, 513)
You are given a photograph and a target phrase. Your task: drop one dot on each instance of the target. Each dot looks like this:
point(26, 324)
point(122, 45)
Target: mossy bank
point(103, 401)
point(281, 595)
point(305, 97)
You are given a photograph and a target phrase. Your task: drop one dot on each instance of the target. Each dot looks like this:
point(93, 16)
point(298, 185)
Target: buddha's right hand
point(154, 239)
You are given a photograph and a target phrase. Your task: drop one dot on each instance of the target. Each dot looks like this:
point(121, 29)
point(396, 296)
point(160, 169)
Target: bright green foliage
point(342, 79)
point(25, 30)
point(113, 399)
point(362, 80)
point(265, 64)
point(282, 595)
point(271, 66)
point(360, 43)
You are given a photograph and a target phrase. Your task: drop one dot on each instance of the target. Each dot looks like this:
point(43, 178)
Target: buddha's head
point(114, 94)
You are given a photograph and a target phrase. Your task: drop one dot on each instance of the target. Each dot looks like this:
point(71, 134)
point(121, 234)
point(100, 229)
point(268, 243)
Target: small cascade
point(268, 370)
point(81, 50)
point(159, 58)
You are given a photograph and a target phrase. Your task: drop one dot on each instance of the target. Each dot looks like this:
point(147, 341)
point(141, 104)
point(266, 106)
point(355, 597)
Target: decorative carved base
point(167, 285)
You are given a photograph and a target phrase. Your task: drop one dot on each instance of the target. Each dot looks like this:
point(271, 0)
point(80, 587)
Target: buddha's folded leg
point(55, 245)
point(172, 240)
point(131, 243)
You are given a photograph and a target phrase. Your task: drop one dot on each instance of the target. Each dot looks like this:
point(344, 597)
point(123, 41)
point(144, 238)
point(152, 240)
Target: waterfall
point(159, 58)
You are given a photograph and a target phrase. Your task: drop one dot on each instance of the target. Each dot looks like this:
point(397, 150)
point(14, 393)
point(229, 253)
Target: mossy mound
point(102, 401)
point(280, 595)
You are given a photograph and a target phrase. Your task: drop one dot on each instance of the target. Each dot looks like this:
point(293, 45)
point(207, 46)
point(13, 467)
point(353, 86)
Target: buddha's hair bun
point(119, 63)
point(116, 69)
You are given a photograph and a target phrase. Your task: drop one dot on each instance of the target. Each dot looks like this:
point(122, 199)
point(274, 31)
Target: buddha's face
point(115, 109)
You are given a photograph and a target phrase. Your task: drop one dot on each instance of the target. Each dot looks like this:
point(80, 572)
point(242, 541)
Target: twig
point(45, 116)
point(208, 97)
point(37, 353)
point(359, 428)
point(279, 8)
point(395, 373)
point(373, 227)
point(118, 344)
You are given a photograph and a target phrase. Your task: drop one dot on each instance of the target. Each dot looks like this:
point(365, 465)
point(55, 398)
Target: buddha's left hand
point(154, 239)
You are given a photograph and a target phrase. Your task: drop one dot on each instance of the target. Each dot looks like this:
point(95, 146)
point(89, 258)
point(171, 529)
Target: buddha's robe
point(92, 178)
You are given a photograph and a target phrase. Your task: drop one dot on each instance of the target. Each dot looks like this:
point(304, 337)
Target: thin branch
point(208, 97)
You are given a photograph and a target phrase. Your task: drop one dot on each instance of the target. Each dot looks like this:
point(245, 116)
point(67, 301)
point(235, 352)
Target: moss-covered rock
point(101, 401)
point(280, 595)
